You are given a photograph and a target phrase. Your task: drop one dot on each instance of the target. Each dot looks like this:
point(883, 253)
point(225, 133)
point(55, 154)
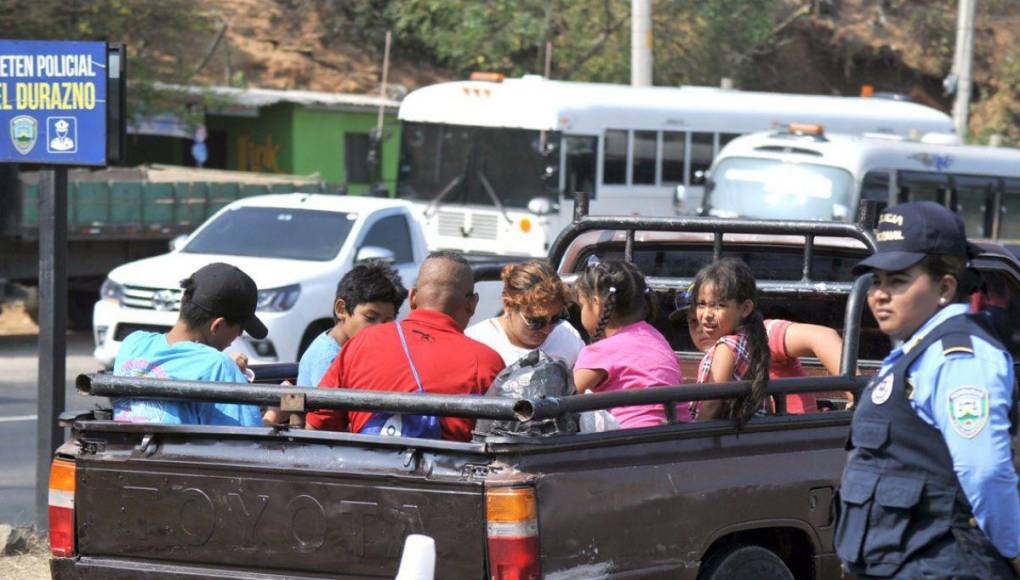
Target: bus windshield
point(773, 189)
point(475, 165)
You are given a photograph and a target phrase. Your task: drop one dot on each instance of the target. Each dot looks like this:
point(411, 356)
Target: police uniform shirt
point(966, 394)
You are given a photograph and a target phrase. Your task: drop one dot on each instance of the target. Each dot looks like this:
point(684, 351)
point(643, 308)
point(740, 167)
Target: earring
point(942, 301)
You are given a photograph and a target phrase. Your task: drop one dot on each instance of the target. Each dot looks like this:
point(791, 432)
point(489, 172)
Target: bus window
point(973, 197)
point(725, 138)
point(580, 164)
point(918, 186)
point(643, 165)
point(701, 156)
point(1009, 211)
point(614, 162)
point(673, 157)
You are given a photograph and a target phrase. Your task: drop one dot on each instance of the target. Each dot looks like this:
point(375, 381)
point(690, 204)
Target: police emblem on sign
point(24, 132)
point(882, 390)
point(968, 410)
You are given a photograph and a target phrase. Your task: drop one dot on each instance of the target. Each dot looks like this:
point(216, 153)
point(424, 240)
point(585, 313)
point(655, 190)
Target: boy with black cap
point(217, 305)
point(930, 489)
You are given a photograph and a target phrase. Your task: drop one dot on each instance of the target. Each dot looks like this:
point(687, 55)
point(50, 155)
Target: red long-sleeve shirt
point(448, 362)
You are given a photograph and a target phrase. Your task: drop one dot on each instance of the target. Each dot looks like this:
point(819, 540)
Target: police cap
point(908, 232)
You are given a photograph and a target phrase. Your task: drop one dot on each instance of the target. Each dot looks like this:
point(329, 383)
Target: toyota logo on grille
point(164, 300)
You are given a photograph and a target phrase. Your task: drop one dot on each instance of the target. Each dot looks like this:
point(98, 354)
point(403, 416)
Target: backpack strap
point(407, 353)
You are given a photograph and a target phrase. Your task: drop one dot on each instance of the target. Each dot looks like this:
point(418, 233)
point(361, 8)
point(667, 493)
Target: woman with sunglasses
point(535, 302)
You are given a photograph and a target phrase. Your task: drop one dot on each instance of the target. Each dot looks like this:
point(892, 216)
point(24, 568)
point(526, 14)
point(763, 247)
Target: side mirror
point(366, 253)
point(178, 242)
point(541, 206)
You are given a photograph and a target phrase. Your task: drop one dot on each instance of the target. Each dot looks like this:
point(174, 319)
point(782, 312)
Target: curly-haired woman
point(535, 302)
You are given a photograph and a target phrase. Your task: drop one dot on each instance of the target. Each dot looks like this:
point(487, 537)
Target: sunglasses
point(538, 323)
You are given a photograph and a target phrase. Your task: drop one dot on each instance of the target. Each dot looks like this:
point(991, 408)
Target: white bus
point(492, 163)
point(812, 174)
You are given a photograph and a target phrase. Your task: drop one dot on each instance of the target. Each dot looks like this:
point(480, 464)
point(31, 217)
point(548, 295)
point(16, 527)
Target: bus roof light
point(806, 129)
point(490, 77)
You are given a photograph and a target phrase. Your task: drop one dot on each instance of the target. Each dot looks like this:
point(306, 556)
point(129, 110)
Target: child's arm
point(587, 379)
point(723, 361)
point(814, 340)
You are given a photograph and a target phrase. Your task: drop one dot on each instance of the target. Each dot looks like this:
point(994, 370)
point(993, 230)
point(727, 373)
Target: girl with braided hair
point(626, 351)
point(728, 317)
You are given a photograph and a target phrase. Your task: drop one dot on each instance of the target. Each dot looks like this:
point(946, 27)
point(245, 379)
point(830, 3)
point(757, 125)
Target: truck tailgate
point(335, 507)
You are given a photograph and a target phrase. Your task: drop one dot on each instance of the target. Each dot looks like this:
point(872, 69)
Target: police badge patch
point(968, 410)
point(24, 132)
point(882, 390)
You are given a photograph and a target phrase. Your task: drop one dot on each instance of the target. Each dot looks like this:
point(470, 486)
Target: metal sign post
point(52, 329)
point(61, 104)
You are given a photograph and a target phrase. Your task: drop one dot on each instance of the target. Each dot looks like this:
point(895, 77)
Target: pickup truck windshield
point(269, 232)
point(773, 189)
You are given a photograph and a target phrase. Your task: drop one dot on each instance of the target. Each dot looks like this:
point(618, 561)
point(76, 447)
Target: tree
point(159, 36)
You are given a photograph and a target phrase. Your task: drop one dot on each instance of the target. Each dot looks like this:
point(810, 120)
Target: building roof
point(265, 97)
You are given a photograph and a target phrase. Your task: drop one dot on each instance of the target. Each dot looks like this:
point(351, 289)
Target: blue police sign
point(53, 102)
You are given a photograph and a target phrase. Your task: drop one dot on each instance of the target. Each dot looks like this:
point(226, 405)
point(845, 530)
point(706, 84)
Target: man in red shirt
point(448, 362)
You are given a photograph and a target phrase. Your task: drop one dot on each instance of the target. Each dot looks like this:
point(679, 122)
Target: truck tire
point(79, 309)
point(311, 333)
point(739, 562)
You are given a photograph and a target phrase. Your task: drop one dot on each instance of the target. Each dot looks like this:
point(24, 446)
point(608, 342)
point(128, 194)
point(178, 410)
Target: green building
point(271, 131)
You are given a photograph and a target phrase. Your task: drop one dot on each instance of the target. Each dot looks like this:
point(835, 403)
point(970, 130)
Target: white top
point(535, 103)
point(563, 343)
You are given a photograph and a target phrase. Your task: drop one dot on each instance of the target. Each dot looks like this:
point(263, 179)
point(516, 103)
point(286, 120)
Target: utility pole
point(961, 64)
point(641, 43)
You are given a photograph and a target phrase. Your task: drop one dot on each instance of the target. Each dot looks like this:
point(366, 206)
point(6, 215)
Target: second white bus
point(818, 175)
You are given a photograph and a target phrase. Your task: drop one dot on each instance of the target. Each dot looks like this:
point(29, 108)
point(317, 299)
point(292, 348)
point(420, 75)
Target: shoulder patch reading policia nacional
point(968, 410)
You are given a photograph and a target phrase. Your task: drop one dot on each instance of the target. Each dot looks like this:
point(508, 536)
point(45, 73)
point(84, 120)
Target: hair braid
point(608, 306)
point(758, 370)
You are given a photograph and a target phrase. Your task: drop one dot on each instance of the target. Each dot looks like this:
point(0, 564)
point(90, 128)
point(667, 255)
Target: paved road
point(18, 370)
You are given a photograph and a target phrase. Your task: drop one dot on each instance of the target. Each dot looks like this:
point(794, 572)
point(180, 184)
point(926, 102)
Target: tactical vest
point(899, 492)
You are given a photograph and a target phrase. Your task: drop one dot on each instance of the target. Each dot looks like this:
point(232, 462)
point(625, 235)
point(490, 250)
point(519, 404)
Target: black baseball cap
point(908, 232)
point(682, 303)
point(224, 290)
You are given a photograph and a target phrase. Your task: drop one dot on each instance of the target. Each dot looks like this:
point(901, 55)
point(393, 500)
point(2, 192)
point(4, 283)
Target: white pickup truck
point(295, 246)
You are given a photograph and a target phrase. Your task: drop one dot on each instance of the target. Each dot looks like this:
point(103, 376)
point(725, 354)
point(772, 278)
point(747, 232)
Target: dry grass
point(14, 320)
point(33, 565)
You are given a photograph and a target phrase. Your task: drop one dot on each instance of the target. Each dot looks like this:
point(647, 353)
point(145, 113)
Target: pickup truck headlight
point(111, 291)
point(278, 299)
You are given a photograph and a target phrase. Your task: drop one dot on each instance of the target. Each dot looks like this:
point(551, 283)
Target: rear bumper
point(97, 568)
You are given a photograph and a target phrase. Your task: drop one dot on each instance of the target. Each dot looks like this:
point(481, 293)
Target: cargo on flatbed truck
point(115, 216)
point(704, 500)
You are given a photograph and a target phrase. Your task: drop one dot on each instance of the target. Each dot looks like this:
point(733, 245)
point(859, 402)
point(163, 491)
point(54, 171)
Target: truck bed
point(185, 501)
point(247, 500)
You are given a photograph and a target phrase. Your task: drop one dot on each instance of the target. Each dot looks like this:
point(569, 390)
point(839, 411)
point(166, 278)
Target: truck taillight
point(61, 508)
point(513, 533)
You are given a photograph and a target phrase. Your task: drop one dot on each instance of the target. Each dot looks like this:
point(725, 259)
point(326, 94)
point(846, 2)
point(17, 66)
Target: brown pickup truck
point(703, 500)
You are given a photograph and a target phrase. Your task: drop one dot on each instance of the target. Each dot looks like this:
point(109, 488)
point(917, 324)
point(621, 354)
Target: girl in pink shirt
point(626, 351)
point(788, 341)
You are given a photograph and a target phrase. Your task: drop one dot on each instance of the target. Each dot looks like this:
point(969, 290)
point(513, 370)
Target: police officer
point(929, 489)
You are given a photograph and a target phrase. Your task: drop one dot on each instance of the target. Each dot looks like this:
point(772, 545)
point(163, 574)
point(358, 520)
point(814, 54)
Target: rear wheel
point(740, 562)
